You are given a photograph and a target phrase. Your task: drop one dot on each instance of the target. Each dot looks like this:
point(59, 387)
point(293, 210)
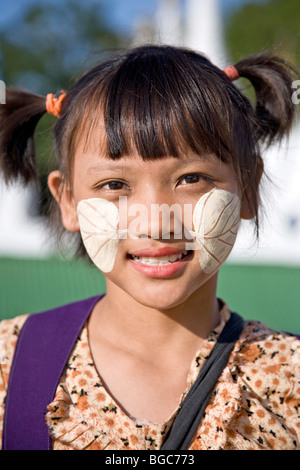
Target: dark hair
point(162, 100)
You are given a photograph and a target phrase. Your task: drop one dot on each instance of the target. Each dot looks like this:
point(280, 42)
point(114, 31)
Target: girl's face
point(180, 181)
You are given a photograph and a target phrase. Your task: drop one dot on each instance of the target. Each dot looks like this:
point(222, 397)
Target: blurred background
point(46, 44)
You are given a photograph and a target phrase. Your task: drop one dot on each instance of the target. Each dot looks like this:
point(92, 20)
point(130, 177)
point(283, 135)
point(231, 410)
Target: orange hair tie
point(231, 72)
point(53, 104)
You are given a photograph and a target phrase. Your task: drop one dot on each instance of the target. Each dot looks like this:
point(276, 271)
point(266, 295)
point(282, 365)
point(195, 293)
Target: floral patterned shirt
point(255, 404)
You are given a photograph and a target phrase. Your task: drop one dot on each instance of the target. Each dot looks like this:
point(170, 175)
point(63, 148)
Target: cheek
point(98, 222)
point(216, 220)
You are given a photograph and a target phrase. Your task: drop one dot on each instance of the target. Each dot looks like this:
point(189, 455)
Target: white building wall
point(20, 233)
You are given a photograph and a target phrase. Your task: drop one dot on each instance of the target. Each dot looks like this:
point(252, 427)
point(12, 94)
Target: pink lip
point(160, 271)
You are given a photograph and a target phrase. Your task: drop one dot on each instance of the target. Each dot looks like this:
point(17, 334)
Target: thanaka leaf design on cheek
point(98, 221)
point(216, 220)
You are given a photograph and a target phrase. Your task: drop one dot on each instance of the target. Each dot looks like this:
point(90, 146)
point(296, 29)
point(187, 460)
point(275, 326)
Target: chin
point(160, 297)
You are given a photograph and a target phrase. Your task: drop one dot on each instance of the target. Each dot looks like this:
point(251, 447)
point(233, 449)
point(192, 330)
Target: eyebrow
point(100, 167)
point(111, 165)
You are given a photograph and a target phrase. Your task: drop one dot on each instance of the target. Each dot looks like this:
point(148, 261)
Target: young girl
point(139, 368)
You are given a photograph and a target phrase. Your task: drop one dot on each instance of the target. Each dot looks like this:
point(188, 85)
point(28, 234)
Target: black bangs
point(161, 101)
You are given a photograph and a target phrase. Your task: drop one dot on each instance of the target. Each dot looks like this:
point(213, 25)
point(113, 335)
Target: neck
point(130, 324)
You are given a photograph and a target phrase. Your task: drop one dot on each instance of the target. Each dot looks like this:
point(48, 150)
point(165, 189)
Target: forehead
point(92, 154)
point(94, 164)
point(92, 161)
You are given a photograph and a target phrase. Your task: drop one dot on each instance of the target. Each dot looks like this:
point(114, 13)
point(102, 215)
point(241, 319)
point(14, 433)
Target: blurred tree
point(46, 47)
point(271, 24)
point(52, 41)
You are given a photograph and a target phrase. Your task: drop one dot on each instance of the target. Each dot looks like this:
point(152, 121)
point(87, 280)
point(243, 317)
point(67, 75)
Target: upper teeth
point(159, 261)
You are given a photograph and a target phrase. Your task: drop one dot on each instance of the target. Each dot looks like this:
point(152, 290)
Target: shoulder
point(60, 321)
point(269, 360)
point(9, 333)
point(11, 328)
point(266, 366)
point(263, 346)
point(256, 403)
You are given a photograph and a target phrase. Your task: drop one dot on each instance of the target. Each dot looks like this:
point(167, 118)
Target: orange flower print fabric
point(255, 404)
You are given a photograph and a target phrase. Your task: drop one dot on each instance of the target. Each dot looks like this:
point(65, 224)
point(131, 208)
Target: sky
point(121, 13)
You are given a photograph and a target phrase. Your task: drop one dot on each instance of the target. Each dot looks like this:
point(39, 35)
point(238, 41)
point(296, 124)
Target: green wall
point(267, 293)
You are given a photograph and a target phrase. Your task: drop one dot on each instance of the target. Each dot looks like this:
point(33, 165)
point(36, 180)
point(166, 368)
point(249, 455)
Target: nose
point(161, 221)
point(157, 217)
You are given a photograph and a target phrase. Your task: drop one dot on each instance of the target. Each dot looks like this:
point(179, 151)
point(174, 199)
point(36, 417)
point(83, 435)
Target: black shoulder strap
point(188, 418)
point(43, 348)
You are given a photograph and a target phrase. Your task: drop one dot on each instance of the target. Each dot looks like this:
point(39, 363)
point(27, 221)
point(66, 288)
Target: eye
point(114, 186)
point(194, 178)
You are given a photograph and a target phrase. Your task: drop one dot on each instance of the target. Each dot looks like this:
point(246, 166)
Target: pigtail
point(272, 78)
point(18, 120)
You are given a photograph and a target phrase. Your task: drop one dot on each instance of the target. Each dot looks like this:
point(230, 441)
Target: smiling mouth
point(160, 260)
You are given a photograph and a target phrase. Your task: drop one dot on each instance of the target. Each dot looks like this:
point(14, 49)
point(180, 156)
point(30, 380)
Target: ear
point(248, 210)
point(64, 198)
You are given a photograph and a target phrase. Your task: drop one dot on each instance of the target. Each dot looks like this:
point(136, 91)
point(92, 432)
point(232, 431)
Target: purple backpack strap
point(43, 348)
